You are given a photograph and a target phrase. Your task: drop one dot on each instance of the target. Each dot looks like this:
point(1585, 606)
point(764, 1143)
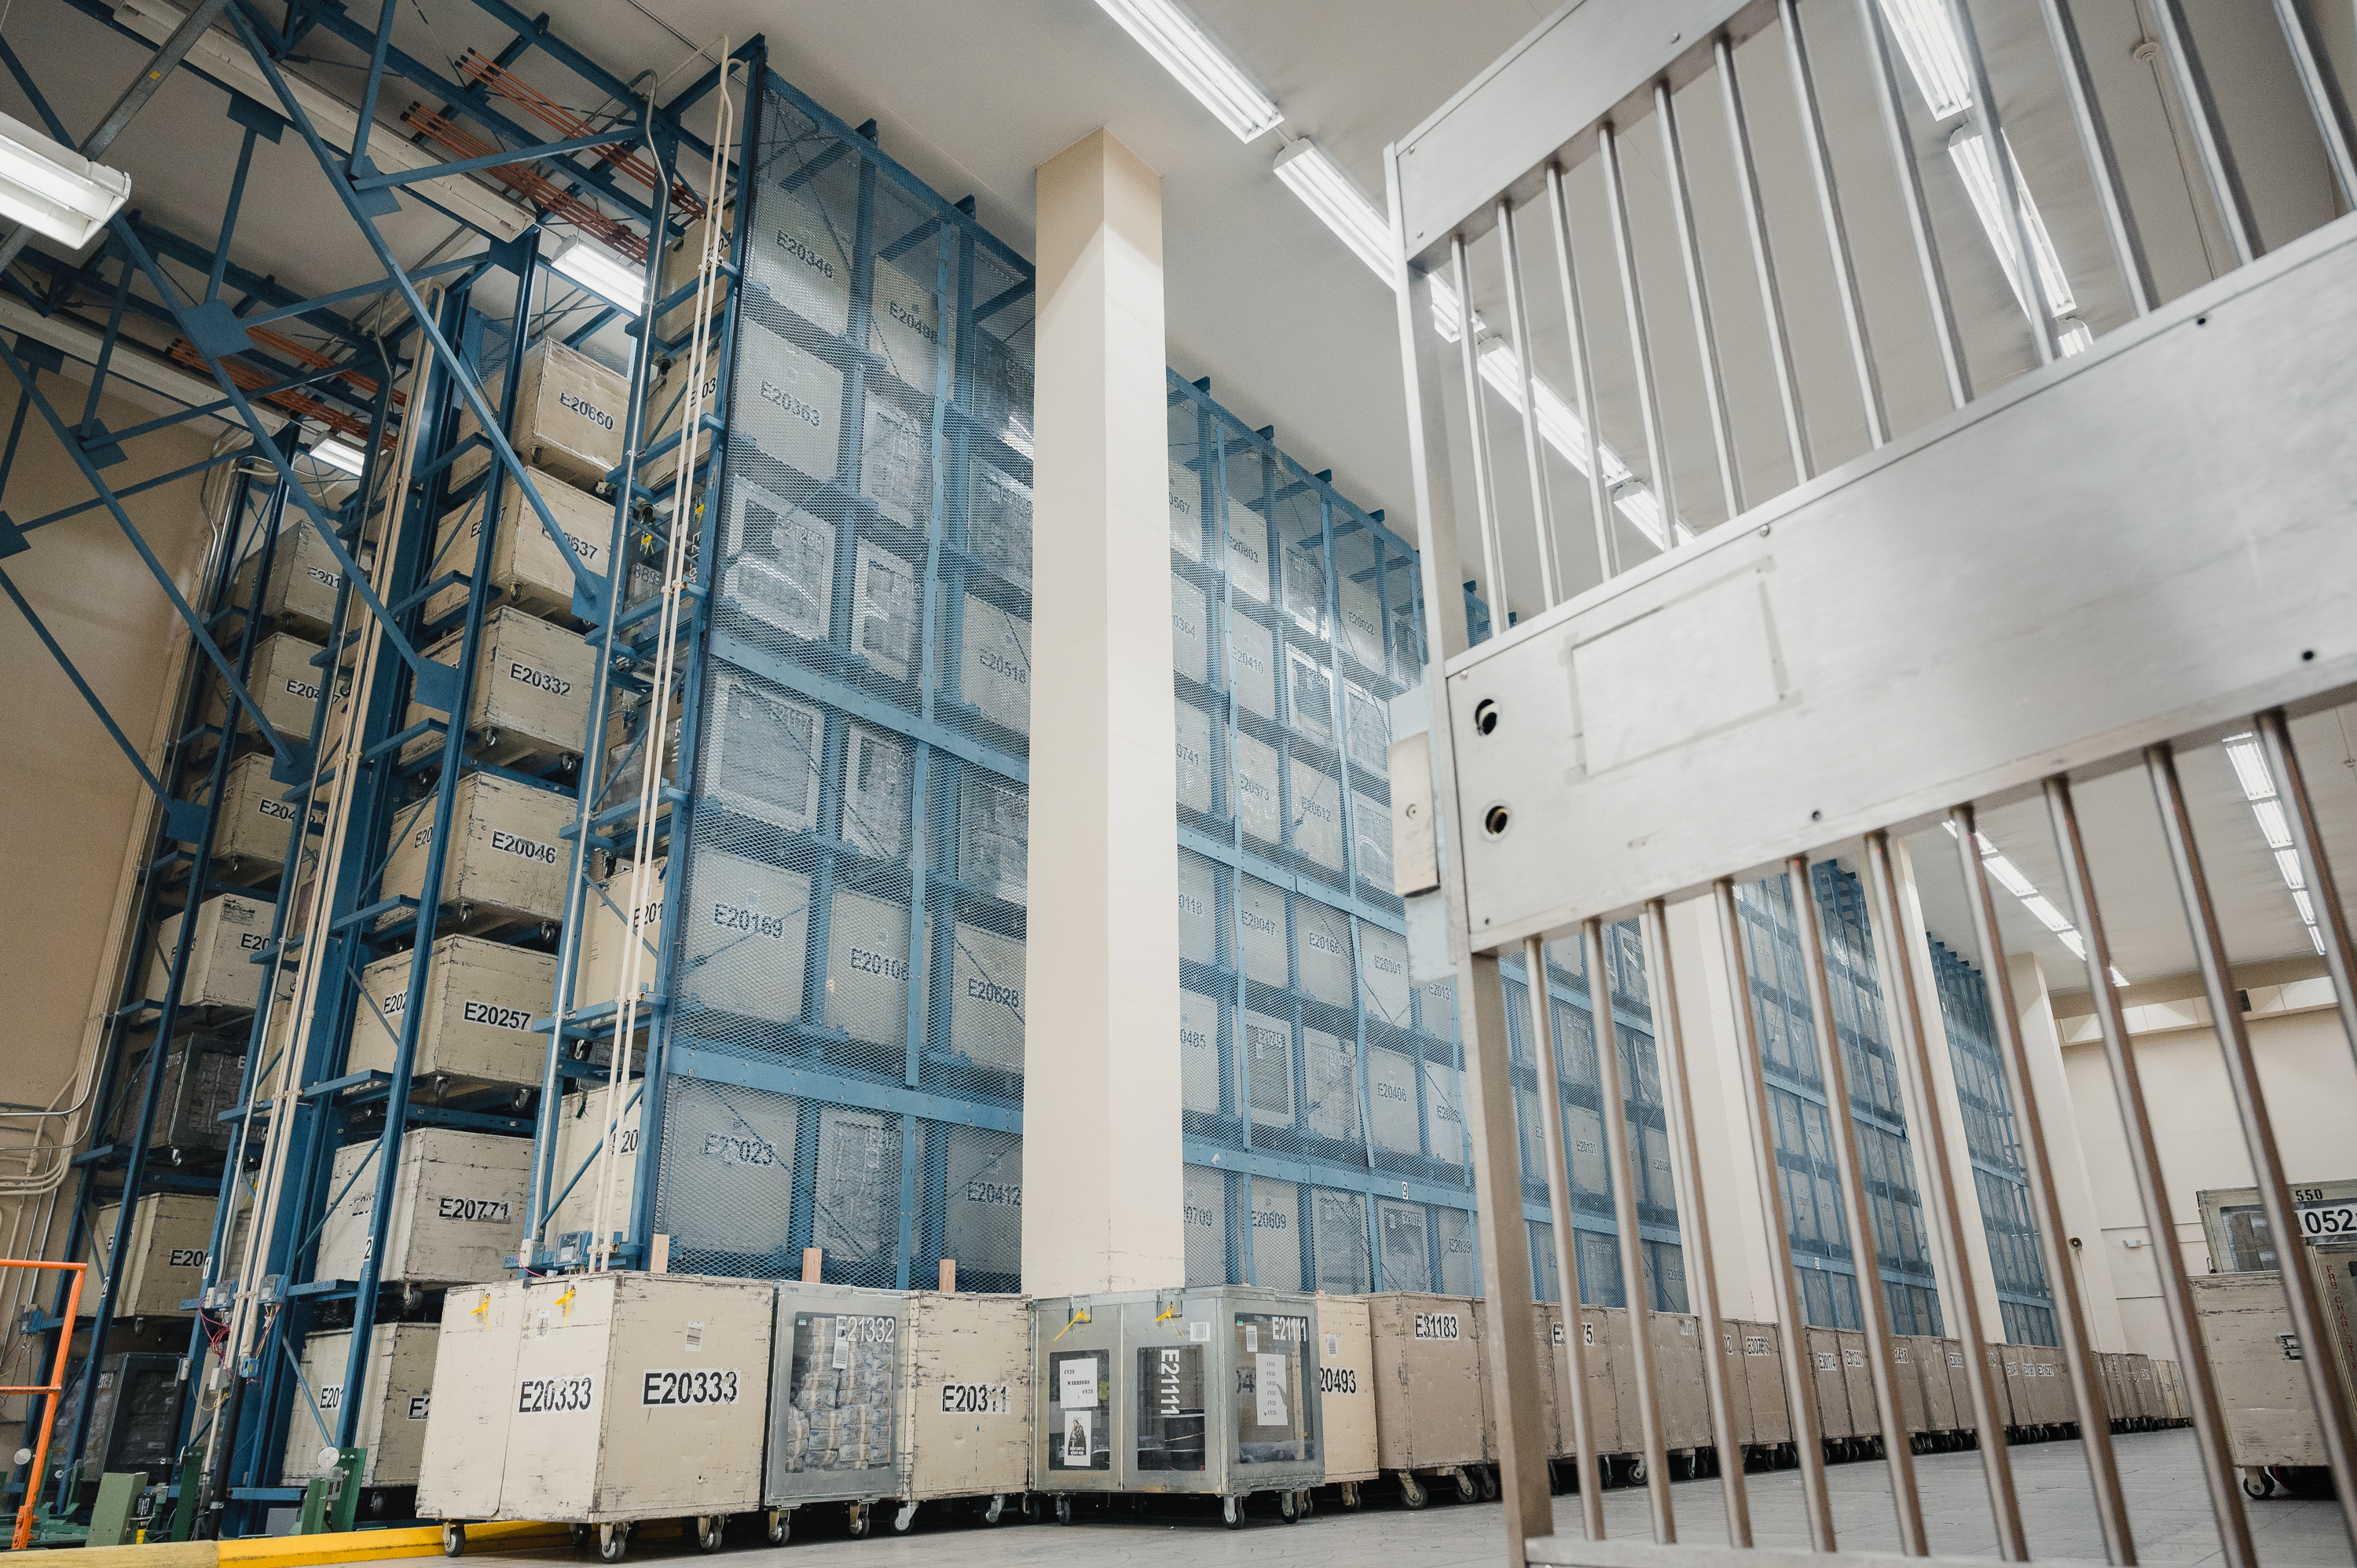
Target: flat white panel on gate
point(2051, 578)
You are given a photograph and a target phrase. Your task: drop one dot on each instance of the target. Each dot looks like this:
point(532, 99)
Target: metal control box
point(531, 702)
point(232, 930)
point(284, 684)
point(250, 835)
point(527, 568)
point(475, 1012)
point(1346, 1387)
point(395, 1400)
point(912, 1395)
point(166, 1263)
point(1430, 1407)
point(458, 1202)
point(568, 418)
point(597, 1399)
point(506, 859)
point(305, 578)
point(1205, 1390)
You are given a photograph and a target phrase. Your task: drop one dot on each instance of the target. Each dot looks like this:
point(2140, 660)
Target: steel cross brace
point(588, 589)
point(220, 663)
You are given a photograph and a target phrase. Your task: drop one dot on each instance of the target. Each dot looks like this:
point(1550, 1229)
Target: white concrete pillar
point(1729, 1174)
point(2041, 1043)
point(1973, 1242)
point(1102, 1162)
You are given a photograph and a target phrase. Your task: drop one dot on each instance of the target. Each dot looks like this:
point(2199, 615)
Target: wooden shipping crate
point(681, 259)
point(669, 408)
point(231, 928)
point(1613, 1428)
point(1858, 1378)
point(285, 684)
point(1681, 1396)
point(600, 1398)
point(506, 861)
point(397, 1401)
point(966, 1395)
point(250, 834)
point(166, 1263)
point(526, 567)
point(1763, 1371)
point(1346, 1388)
point(474, 1014)
point(580, 1117)
point(531, 702)
point(568, 417)
point(305, 578)
point(1835, 1419)
point(2256, 1360)
point(1736, 1384)
point(458, 1201)
point(1429, 1402)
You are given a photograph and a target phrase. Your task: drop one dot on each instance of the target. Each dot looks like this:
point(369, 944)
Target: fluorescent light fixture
point(1202, 67)
point(1336, 199)
point(613, 280)
point(2258, 784)
point(1928, 44)
point(341, 454)
point(2010, 876)
point(53, 190)
point(1972, 165)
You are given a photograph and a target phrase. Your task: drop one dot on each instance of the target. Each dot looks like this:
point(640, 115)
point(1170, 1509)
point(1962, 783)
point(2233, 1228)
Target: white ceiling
point(1294, 331)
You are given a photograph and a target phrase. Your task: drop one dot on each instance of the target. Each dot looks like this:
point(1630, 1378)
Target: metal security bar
point(1845, 625)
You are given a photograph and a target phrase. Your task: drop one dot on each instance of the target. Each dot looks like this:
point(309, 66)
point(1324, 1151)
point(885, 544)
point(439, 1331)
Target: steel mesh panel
point(852, 921)
point(725, 1193)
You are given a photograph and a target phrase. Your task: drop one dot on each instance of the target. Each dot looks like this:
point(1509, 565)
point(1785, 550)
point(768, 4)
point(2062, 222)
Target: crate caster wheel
point(2257, 1483)
point(1351, 1495)
point(996, 1509)
point(1063, 1510)
point(1412, 1491)
point(1232, 1512)
point(857, 1526)
point(905, 1517)
point(613, 1541)
point(1488, 1484)
point(782, 1525)
point(1468, 1488)
point(1635, 1474)
point(1289, 1507)
point(454, 1538)
point(709, 1528)
point(1030, 1506)
point(580, 1536)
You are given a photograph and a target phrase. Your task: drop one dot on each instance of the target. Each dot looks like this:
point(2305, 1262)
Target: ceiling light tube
point(1202, 67)
point(604, 275)
point(53, 190)
point(1336, 199)
point(338, 454)
point(1929, 45)
point(1979, 175)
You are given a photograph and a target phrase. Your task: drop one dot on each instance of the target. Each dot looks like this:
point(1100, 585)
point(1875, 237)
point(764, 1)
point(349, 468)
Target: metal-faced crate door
point(835, 1404)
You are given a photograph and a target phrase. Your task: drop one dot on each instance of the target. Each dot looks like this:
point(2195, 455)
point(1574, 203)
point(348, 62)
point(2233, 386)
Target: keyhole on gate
point(1485, 716)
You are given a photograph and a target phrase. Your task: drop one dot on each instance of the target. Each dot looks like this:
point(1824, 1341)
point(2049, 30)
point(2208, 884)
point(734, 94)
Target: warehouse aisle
point(2158, 1469)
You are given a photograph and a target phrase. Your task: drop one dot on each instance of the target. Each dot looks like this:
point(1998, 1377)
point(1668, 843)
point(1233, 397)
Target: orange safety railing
point(53, 1388)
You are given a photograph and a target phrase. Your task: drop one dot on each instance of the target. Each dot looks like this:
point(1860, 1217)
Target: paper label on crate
point(1853, 1357)
point(1200, 1332)
point(683, 1386)
point(1268, 1388)
point(1588, 1333)
point(517, 844)
point(544, 1396)
point(1437, 1325)
point(842, 1350)
point(1825, 1362)
point(493, 1016)
point(1252, 1338)
point(1076, 1387)
point(1077, 1424)
point(495, 1209)
point(1760, 1345)
point(694, 1337)
point(976, 1399)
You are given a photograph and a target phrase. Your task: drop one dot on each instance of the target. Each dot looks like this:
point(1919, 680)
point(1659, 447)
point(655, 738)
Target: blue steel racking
point(241, 332)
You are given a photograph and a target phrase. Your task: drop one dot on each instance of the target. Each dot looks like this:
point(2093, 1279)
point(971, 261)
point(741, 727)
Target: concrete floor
point(2160, 1471)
